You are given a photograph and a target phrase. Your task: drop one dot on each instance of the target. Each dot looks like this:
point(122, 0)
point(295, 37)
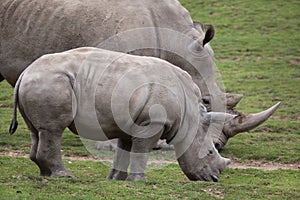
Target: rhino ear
point(219, 117)
point(209, 33)
point(208, 29)
point(199, 26)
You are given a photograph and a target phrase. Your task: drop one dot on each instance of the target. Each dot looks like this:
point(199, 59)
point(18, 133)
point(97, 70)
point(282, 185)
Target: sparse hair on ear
point(209, 34)
point(208, 29)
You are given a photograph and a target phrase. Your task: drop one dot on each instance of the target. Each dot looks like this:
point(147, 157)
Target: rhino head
point(201, 160)
point(202, 168)
point(243, 122)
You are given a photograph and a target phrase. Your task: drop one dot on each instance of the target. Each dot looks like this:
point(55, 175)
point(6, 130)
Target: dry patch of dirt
point(263, 166)
point(216, 193)
point(252, 164)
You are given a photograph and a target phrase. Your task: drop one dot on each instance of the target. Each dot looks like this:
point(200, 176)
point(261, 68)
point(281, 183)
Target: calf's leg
point(139, 156)
point(121, 160)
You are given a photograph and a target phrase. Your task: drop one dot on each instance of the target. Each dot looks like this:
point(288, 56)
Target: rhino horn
point(216, 117)
point(227, 161)
point(244, 123)
point(232, 100)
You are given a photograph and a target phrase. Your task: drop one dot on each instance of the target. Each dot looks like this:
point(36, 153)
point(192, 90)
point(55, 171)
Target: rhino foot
point(136, 177)
point(45, 173)
point(61, 174)
point(117, 175)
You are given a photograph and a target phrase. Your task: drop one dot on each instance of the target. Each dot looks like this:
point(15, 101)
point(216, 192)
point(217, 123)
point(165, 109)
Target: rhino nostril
point(218, 146)
point(206, 100)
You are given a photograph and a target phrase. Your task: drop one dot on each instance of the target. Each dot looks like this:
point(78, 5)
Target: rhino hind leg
point(48, 155)
point(121, 160)
point(44, 170)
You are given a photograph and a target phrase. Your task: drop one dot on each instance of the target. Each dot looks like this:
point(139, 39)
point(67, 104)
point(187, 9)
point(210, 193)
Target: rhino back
point(31, 28)
point(110, 86)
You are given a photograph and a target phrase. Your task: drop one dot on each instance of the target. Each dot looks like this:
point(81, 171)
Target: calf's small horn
point(218, 117)
point(244, 123)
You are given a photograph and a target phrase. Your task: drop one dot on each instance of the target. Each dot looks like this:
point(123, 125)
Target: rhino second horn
point(232, 100)
point(244, 123)
point(227, 161)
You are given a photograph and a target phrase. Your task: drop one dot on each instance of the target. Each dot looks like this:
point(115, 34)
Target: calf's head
point(201, 160)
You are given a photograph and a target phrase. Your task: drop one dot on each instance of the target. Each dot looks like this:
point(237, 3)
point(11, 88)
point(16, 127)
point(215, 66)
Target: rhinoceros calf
point(100, 95)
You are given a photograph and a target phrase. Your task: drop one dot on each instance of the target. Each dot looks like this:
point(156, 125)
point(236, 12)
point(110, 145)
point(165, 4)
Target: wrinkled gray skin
point(44, 96)
point(32, 28)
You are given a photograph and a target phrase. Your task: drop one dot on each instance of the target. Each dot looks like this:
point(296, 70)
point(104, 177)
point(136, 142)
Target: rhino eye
point(210, 152)
point(206, 100)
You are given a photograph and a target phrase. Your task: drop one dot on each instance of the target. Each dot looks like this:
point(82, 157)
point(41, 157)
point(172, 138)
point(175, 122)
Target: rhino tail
point(14, 122)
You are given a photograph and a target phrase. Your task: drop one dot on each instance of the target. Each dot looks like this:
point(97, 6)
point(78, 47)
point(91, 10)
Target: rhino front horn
point(244, 123)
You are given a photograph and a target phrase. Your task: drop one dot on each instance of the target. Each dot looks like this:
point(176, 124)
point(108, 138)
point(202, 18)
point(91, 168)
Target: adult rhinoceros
point(102, 95)
point(163, 29)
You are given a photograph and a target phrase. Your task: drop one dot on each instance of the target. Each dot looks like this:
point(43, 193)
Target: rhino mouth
point(214, 178)
point(199, 177)
point(210, 178)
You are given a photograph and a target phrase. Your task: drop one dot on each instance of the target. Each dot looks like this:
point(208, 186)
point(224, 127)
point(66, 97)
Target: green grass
point(19, 180)
point(257, 53)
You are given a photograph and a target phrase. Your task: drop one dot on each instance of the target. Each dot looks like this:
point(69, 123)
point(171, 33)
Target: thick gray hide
point(30, 29)
point(164, 29)
point(104, 95)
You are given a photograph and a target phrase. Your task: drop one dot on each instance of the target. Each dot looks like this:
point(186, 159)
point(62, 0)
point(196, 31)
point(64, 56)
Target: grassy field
point(257, 48)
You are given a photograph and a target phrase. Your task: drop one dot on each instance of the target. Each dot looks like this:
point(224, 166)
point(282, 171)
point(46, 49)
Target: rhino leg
point(44, 171)
point(121, 160)
point(48, 155)
point(139, 156)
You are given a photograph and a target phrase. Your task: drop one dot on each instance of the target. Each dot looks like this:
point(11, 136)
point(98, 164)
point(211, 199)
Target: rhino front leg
point(139, 157)
point(121, 160)
point(48, 153)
